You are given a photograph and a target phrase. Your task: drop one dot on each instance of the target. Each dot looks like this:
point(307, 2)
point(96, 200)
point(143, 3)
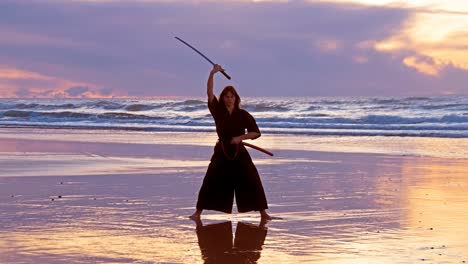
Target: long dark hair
point(230, 89)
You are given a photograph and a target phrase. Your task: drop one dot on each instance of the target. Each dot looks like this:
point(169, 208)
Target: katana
point(201, 54)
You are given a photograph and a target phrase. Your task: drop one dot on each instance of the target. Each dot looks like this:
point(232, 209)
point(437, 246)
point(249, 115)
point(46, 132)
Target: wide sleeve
point(213, 106)
point(250, 123)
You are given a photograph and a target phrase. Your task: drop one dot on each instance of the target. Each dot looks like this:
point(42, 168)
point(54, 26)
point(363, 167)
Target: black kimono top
point(231, 125)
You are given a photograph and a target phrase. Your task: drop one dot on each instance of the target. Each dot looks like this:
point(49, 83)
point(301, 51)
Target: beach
point(99, 196)
point(119, 118)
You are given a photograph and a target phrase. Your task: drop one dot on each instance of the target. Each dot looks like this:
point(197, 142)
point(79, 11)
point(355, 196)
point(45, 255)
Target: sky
point(119, 48)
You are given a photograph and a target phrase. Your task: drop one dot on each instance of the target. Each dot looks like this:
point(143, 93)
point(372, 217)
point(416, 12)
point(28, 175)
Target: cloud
point(424, 65)
point(17, 74)
point(22, 83)
point(21, 93)
point(272, 48)
point(106, 92)
point(328, 45)
point(76, 91)
point(435, 29)
point(360, 59)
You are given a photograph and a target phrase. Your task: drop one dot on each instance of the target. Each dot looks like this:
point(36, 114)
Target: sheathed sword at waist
point(257, 148)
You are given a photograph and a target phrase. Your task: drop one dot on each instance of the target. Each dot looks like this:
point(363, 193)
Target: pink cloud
point(22, 83)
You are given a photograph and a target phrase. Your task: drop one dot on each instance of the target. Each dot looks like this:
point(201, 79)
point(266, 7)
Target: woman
point(231, 170)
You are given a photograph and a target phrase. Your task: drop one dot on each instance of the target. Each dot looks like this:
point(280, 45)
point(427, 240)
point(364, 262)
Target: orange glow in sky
point(437, 31)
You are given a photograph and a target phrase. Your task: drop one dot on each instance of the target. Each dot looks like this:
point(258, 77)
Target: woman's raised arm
point(209, 85)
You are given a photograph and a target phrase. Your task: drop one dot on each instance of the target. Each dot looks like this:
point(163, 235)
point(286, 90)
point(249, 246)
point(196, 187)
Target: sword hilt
point(226, 75)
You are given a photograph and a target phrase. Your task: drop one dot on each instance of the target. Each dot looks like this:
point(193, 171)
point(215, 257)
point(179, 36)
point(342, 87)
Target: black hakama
point(231, 172)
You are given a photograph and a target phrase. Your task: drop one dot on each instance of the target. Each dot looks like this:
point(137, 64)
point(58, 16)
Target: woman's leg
point(250, 195)
point(217, 190)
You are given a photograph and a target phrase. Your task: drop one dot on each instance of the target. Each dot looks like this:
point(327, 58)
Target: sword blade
point(197, 51)
point(203, 55)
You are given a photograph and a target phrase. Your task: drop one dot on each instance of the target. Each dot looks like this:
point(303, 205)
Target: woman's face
point(229, 99)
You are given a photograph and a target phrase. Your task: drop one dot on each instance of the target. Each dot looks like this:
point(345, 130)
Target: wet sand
point(96, 197)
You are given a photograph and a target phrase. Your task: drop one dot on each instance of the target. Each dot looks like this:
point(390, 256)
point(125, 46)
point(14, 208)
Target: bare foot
point(265, 216)
point(196, 215)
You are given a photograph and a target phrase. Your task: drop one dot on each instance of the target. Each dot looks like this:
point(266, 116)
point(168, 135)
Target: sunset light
point(435, 29)
point(128, 47)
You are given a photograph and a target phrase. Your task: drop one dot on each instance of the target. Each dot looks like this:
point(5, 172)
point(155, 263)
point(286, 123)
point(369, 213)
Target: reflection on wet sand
point(216, 246)
point(336, 207)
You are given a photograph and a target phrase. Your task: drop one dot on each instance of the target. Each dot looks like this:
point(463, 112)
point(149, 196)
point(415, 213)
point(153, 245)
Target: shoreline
point(452, 148)
point(96, 152)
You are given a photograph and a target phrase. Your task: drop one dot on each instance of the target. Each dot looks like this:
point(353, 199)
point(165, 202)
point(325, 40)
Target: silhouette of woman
point(231, 170)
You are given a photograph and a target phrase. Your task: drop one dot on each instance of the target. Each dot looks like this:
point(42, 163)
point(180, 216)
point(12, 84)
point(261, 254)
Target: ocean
point(442, 116)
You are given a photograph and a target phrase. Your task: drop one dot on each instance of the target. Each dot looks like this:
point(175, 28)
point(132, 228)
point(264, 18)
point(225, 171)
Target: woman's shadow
point(216, 242)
